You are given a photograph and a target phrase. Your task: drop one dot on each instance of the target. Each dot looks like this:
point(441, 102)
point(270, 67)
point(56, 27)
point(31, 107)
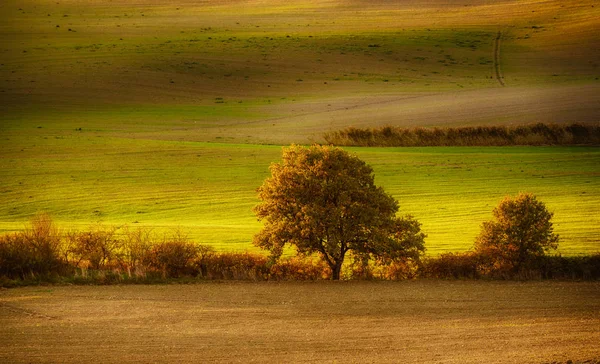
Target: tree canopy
point(520, 231)
point(324, 200)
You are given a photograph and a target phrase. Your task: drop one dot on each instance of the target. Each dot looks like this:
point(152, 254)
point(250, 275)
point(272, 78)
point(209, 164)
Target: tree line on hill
point(322, 202)
point(534, 134)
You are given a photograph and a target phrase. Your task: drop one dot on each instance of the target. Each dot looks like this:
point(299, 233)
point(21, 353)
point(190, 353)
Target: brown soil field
point(408, 322)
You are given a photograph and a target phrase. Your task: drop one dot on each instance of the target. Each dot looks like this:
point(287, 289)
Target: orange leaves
point(521, 231)
point(324, 200)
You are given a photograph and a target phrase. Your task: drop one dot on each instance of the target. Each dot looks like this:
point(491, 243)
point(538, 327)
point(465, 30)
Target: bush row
point(471, 265)
point(100, 255)
point(535, 134)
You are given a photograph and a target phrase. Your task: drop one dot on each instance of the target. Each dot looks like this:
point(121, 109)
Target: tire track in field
point(497, 70)
point(357, 105)
point(24, 311)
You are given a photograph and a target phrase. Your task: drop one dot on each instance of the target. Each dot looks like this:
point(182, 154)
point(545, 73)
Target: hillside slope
point(255, 71)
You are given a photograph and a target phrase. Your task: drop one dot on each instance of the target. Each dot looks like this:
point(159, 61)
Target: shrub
point(471, 265)
point(453, 265)
point(203, 255)
point(238, 266)
point(37, 251)
point(174, 257)
point(398, 270)
point(299, 268)
point(382, 269)
point(559, 267)
point(15, 256)
point(136, 247)
point(95, 249)
point(519, 234)
point(44, 241)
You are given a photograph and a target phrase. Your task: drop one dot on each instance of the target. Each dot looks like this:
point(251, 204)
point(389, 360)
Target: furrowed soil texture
point(408, 322)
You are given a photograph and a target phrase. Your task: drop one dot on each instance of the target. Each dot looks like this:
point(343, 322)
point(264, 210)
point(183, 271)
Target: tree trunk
point(336, 269)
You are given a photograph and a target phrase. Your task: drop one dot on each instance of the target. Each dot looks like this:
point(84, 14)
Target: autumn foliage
point(520, 232)
point(323, 200)
point(513, 245)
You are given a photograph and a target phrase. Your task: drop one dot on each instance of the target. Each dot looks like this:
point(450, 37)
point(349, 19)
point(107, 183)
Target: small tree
point(520, 232)
point(97, 247)
point(323, 200)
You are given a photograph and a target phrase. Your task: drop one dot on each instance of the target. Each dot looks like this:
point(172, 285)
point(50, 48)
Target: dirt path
point(497, 69)
point(408, 322)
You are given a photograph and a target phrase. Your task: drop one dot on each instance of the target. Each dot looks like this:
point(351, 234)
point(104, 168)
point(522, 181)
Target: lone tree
point(520, 232)
point(323, 200)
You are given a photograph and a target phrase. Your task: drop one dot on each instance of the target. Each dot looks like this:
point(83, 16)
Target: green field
point(209, 189)
point(169, 114)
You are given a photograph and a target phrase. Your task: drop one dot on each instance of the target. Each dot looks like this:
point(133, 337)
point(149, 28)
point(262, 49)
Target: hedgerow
point(104, 255)
point(534, 134)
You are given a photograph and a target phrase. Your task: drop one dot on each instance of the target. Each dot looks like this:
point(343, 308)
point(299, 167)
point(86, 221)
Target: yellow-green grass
point(208, 189)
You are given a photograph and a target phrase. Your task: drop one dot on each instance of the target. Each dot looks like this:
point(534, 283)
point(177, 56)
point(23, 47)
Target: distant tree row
point(534, 134)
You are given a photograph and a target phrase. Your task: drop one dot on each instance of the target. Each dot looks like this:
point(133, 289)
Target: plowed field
point(407, 322)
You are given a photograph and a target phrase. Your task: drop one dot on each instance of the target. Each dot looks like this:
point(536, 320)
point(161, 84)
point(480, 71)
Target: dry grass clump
point(36, 251)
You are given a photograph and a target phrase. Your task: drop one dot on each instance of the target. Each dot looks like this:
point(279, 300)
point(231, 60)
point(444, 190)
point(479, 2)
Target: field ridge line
point(358, 105)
